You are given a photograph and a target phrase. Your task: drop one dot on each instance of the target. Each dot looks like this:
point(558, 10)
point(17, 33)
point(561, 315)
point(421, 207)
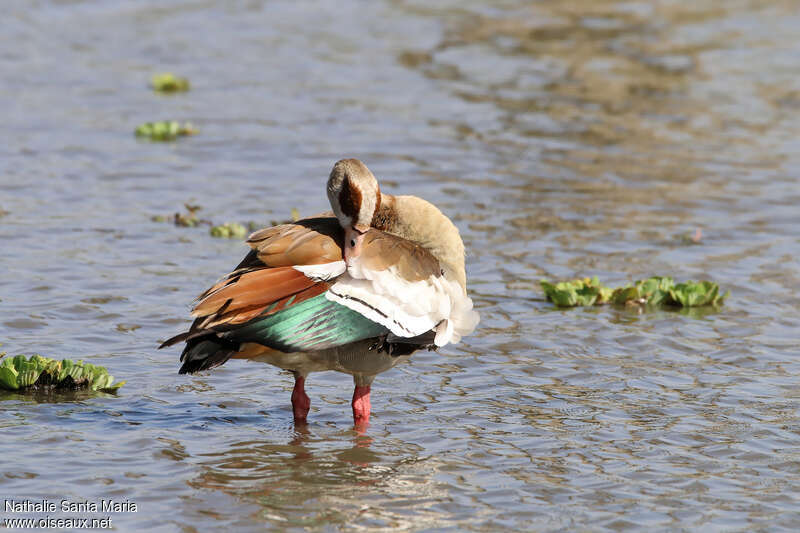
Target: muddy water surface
point(564, 138)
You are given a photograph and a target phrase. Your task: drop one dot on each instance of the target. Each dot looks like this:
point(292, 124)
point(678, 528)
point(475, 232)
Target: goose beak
point(353, 237)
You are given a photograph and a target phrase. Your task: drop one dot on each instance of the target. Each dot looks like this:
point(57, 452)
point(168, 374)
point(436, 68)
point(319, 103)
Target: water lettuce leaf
point(165, 130)
point(229, 230)
point(167, 82)
point(654, 291)
point(586, 291)
point(691, 294)
point(651, 291)
point(22, 373)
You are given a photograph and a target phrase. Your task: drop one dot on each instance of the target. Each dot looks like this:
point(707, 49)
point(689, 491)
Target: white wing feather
point(323, 272)
point(407, 308)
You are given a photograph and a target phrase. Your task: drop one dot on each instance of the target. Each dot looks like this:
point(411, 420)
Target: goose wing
point(275, 296)
point(401, 285)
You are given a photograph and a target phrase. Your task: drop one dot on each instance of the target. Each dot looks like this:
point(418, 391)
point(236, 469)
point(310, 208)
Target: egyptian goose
point(356, 291)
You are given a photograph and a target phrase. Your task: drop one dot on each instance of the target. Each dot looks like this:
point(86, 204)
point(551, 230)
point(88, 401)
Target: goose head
point(355, 198)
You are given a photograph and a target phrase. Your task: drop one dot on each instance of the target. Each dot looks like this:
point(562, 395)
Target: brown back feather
point(311, 241)
point(380, 251)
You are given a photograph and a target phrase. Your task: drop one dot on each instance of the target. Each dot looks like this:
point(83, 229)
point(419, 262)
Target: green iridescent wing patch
point(315, 324)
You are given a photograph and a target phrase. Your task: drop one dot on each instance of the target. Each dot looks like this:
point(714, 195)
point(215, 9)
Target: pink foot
point(300, 401)
point(361, 406)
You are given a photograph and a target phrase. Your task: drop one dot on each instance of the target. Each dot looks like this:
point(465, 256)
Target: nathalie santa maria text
point(66, 506)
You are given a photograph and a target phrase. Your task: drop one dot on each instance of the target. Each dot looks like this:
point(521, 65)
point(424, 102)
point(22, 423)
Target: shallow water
point(564, 138)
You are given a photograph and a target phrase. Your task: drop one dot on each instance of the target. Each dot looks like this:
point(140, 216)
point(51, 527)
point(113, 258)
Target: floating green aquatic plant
point(652, 292)
point(586, 291)
point(229, 230)
point(189, 219)
point(691, 294)
point(37, 372)
point(168, 82)
point(165, 130)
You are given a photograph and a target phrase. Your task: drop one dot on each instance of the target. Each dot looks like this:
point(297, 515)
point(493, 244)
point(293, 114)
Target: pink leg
point(300, 401)
point(361, 406)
